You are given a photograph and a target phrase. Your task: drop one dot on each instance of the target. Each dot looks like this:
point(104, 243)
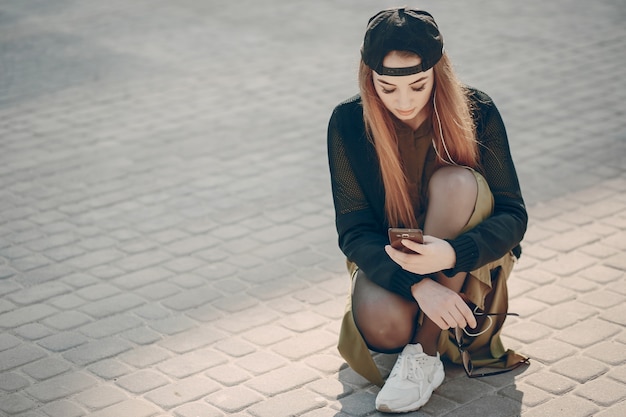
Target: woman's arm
point(504, 230)
point(362, 233)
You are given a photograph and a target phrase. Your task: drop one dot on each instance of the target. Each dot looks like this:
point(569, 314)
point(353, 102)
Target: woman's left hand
point(433, 255)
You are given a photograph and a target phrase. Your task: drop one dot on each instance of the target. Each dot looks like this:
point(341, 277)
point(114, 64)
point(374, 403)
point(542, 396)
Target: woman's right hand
point(443, 306)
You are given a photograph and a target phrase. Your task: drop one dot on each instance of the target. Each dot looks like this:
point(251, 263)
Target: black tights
point(382, 317)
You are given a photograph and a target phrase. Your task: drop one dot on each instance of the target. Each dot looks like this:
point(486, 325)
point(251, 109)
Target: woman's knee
point(452, 183)
point(385, 335)
point(386, 320)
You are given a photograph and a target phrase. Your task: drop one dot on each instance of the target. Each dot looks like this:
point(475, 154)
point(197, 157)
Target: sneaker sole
point(439, 377)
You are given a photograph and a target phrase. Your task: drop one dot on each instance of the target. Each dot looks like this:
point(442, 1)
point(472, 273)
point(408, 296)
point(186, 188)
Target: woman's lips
point(405, 112)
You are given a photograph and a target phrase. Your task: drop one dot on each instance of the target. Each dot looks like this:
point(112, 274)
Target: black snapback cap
point(402, 29)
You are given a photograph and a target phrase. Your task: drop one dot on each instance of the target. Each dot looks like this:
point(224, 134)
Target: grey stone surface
point(167, 243)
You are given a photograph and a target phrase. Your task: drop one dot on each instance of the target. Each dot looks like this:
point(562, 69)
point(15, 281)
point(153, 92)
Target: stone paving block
point(603, 393)
point(228, 375)
point(187, 364)
point(616, 261)
point(464, 390)
point(550, 382)
point(303, 321)
point(141, 278)
point(587, 333)
point(330, 388)
point(568, 264)
point(67, 302)
point(38, 293)
point(610, 352)
point(91, 259)
point(11, 381)
point(32, 331)
point(141, 336)
point(131, 407)
point(113, 305)
point(63, 408)
point(8, 341)
point(564, 406)
point(66, 320)
point(526, 394)
point(564, 315)
point(305, 345)
point(526, 307)
point(61, 386)
point(97, 350)
point(261, 362)
point(325, 363)
point(109, 369)
point(16, 403)
point(59, 342)
point(100, 396)
point(172, 325)
point(234, 399)
point(617, 410)
point(487, 406)
point(282, 379)
point(19, 355)
point(191, 298)
point(110, 326)
point(97, 291)
point(143, 357)
point(615, 314)
point(246, 320)
point(235, 347)
point(46, 368)
point(184, 264)
point(285, 405)
point(7, 287)
point(566, 242)
point(190, 340)
point(25, 315)
point(549, 351)
point(196, 409)
point(552, 294)
point(580, 369)
point(142, 260)
point(602, 274)
point(603, 299)
point(181, 392)
point(528, 332)
point(142, 381)
point(157, 291)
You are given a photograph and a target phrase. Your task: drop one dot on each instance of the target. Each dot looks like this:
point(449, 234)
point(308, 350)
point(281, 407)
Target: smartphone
point(396, 234)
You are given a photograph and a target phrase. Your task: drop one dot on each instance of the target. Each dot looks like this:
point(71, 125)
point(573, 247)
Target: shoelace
point(409, 367)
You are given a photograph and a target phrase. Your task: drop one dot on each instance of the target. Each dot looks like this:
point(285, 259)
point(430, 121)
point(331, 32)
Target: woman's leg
point(452, 194)
point(386, 321)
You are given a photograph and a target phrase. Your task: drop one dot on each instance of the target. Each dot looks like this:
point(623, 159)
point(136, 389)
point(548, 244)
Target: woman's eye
point(421, 88)
point(388, 91)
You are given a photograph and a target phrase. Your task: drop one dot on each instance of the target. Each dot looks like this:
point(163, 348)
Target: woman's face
point(406, 97)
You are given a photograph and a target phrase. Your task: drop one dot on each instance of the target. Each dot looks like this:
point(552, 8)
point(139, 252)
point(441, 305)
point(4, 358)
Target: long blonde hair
point(451, 119)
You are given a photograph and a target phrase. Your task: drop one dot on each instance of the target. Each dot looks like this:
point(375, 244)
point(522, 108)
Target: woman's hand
point(443, 306)
point(433, 255)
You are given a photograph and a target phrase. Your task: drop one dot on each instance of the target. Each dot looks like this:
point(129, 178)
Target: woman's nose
point(404, 101)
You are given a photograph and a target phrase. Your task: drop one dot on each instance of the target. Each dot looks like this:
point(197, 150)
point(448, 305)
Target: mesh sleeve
point(362, 233)
point(504, 230)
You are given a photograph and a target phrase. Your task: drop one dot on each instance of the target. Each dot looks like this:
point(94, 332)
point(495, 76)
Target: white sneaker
point(413, 379)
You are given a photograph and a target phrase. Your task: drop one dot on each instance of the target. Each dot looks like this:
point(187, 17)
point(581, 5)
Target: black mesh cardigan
point(359, 197)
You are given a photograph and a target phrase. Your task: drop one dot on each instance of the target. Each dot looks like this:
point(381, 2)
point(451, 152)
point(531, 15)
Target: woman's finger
point(468, 315)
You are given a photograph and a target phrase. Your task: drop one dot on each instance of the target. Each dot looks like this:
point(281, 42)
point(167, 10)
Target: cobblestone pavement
point(167, 244)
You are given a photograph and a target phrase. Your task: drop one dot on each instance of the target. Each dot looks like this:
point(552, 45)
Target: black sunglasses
point(465, 355)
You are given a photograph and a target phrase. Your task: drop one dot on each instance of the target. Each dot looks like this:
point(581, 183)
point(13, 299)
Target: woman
point(417, 149)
